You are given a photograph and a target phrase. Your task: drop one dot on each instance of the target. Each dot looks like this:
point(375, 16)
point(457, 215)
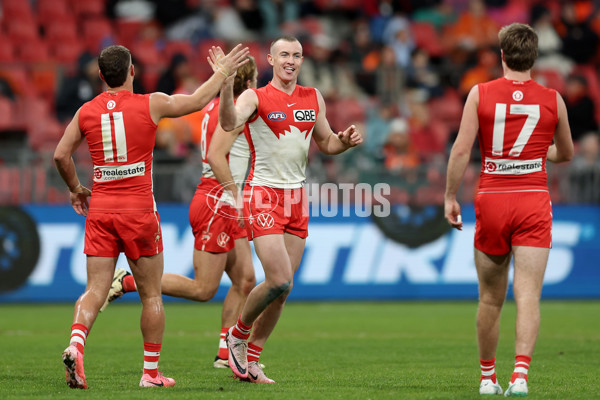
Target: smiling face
point(286, 59)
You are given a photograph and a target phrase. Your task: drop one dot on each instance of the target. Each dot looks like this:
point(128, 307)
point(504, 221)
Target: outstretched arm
point(328, 141)
point(233, 115)
point(63, 159)
point(562, 149)
point(163, 105)
point(459, 157)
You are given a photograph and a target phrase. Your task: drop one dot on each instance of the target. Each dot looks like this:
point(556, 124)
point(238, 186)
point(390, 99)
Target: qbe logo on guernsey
point(305, 116)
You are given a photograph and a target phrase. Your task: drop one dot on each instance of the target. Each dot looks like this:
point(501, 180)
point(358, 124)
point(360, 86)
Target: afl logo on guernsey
point(517, 95)
point(276, 116)
point(111, 104)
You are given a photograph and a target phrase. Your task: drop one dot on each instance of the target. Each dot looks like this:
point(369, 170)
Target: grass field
point(405, 350)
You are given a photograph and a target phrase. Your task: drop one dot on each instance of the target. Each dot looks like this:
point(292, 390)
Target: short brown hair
point(244, 73)
point(519, 43)
point(114, 62)
point(286, 38)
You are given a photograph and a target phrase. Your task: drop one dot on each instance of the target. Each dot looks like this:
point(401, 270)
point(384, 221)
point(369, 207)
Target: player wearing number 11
point(120, 129)
point(516, 121)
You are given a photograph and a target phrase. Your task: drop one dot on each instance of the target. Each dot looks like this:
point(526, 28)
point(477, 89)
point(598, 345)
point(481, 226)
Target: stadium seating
point(426, 37)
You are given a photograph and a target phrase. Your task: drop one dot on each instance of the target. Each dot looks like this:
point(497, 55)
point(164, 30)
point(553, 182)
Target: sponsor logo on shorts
point(305, 116)
point(277, 116)
point(206, 237)
point(222, 239)
point(265, 220)
point(116, 172)
point(512, 167)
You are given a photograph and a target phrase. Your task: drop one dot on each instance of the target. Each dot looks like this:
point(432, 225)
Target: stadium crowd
point(398, 69)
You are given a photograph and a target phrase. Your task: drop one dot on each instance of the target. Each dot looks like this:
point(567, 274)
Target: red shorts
point(511, 219)
point(275, 211)
point(135, 234)
point(214, 223)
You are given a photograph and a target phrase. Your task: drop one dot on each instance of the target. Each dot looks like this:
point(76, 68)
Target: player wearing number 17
point(516, 121)
point(120, 129)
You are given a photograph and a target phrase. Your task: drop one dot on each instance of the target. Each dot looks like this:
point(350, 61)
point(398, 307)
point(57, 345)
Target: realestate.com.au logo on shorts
point(324, 200)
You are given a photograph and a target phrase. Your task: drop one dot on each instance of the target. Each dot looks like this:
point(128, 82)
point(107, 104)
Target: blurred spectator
point(6, 89)
point(429, 134)
point(377, 127)
point(364, 56)
point(584, 171)
point(473, 29)
point(178, 70)
point(397, 35)
point(487, 69)
point(228, 25)
point(439, 15)
point(138, 82)
point(328, 70)
point(400, 153)
point(390, 78)
point(175, 137)
point(250, 14)
point(139, 10)
point(317, 70)
point(580, 106)
point(420, 74)
point(579, 41)
point(76, 90)
point(549, 42)
point(276, 13)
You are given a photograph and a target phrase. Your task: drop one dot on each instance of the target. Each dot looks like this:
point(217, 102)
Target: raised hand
point(350, 137)
point(227, 64)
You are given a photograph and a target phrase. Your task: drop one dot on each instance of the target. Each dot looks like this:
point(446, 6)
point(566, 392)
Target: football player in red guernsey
point(520, 124)
point(120, 128)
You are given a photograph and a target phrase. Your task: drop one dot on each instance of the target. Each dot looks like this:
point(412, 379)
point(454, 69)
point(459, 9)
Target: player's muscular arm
point(459, 157)
point(163, 105)
point(220, 145)
point(63, 159)
point(233, 115)
point(328, 141)
point(562, 149)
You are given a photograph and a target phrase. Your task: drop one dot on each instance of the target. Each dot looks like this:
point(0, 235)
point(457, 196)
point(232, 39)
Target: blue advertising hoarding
point(346, 258)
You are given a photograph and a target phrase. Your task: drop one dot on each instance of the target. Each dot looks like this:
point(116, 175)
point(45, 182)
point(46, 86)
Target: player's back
point(120, 134)
point(517, 121)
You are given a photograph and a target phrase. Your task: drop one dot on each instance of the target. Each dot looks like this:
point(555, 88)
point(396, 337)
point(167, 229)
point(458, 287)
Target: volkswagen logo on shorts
point(276, 116)
point(222, 239)
point(265, 220)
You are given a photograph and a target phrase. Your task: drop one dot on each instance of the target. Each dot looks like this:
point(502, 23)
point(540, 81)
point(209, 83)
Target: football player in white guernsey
point(282, 116)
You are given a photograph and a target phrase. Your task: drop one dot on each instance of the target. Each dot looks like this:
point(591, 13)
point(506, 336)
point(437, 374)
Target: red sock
point(521, 367)
point(253, 352)
point(241, 330)
point(129, 284)
point(488, 369)
point(151, 355)
point(79, 334)
point(223, 350)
